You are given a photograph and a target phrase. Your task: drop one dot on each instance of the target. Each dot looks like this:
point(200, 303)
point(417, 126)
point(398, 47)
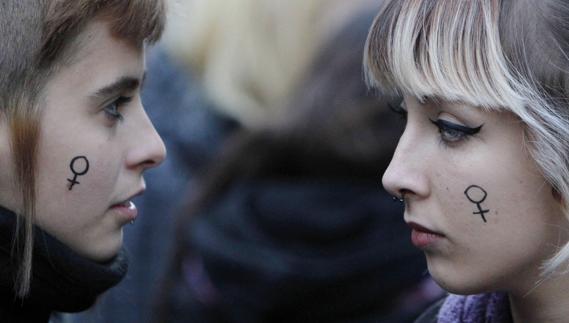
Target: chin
point(456, 281)
point(459, 288)
point(104, 251)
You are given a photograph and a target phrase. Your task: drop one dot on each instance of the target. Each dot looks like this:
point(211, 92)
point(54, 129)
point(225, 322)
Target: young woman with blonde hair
point(483, 164)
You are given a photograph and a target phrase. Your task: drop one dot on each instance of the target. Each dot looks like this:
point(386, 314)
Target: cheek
point(63, 211)
point(488, 189)
point(501, 221)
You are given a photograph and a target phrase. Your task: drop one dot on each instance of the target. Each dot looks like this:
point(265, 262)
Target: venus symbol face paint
point(79, 166)
point(477, 195)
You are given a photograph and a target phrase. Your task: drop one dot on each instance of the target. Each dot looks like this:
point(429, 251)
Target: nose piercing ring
point(398, 199)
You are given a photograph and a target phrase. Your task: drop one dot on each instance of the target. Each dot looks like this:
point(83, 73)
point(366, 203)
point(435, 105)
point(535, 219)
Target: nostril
point(403, 193)
point(150, 163)
point(157, 156)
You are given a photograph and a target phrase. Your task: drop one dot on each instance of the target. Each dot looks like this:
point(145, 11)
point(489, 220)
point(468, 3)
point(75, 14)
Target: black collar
point(62, 280)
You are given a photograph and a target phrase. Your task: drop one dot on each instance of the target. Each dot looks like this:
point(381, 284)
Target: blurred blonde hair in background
point(251, 54)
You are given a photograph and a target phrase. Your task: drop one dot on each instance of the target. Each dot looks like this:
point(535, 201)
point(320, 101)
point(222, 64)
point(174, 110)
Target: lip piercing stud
point(131, 221)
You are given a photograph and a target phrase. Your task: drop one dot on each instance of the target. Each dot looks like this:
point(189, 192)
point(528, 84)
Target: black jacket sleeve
point(431, 314)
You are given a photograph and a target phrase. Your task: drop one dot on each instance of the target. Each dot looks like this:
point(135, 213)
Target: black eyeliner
point(443, 124)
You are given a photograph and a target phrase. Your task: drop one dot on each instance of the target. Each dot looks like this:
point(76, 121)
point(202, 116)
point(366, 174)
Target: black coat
point(431, 314)
point(297, 251)
point(62, 281)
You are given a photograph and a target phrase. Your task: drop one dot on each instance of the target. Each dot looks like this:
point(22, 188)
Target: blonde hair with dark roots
point(496, 54)
point(37, 38)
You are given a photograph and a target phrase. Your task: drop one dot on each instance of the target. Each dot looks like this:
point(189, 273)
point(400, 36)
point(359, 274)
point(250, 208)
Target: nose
point(148, 149)
point(406, 176)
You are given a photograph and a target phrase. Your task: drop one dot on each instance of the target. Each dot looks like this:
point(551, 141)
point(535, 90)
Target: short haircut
point(37, 37)
point(496, 54)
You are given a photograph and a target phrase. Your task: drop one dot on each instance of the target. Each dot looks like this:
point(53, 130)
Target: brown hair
point(37, 38)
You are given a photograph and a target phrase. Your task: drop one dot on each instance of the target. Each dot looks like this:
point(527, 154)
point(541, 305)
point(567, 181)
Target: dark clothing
point(297, 251)
point(62, 280)
point(431, 314)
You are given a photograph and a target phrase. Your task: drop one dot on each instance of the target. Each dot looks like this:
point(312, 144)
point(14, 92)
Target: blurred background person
point(290, 223)
point(222, 66)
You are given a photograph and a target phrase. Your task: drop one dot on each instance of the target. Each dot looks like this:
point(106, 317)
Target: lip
point(423, 237)
point(126, 209)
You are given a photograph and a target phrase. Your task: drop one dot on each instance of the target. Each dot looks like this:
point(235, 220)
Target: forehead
point(97, 41)
point(98, 58)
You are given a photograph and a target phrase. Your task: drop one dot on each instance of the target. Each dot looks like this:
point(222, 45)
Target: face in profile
point(476, 202)
point(95, 143)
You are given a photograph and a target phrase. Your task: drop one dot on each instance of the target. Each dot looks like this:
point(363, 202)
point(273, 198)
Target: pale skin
point(432, 167)
point(85, 113)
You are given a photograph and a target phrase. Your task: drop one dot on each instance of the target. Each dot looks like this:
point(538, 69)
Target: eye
point(398, 108)
point(112, 110)
point(452, 132)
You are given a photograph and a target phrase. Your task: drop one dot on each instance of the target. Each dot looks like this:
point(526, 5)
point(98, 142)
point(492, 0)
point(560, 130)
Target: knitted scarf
point(482, 308)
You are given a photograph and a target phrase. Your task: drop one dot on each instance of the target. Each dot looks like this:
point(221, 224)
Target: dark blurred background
point(269, 207)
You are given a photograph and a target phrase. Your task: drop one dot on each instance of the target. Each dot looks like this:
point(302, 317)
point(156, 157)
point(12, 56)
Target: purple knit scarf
point(482, 308)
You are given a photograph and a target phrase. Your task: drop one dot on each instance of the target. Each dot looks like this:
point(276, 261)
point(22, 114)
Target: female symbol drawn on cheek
point(477, 195)
point(79, 166)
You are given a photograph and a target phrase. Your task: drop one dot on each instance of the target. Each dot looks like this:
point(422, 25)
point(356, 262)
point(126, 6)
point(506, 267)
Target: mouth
point(126, 204)
point(128, 201)
point(423, 237)
point(127, 209)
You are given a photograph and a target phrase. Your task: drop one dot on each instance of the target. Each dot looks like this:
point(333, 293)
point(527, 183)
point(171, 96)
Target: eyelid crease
point(113, 107)
point(116, 100)
point(123, 99)
point(446, 124)
point(123, 85)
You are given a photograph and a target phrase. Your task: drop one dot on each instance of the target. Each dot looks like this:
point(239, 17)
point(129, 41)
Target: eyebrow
point(122, 85)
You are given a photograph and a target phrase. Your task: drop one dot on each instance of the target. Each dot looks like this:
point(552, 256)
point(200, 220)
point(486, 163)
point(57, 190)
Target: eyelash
point(398, 109)
point(453, 133)
point(450, 133)
point(112, 109)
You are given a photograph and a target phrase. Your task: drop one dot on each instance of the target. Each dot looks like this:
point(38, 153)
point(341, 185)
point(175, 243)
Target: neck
point(544, 302)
